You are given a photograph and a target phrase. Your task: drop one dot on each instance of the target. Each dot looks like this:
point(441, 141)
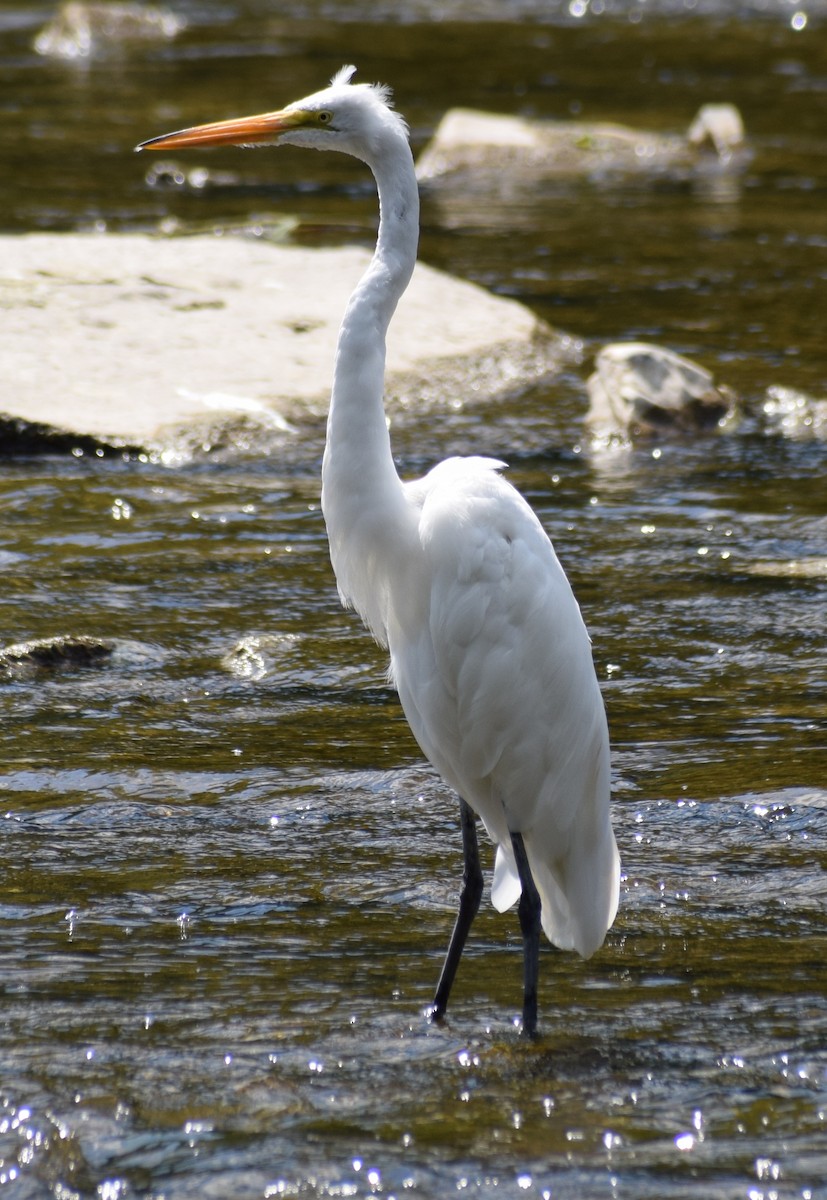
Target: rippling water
point(228, 877)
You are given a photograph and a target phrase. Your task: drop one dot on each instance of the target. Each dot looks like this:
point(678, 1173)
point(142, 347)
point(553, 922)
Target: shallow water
point(228, 877)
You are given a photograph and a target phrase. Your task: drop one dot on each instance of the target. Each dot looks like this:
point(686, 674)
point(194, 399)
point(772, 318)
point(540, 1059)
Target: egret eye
point(324, 117)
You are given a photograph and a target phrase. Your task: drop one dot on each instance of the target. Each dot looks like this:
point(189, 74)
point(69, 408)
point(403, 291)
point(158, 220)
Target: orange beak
point(262, 130)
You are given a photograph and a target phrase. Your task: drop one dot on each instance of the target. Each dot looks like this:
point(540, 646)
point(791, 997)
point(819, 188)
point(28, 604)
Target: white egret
point(454, 574)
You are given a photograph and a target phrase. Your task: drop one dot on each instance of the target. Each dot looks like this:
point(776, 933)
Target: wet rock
point(492, 152)
point(20, 438)
point(173, 344)
point(639, 389)
point(53, 654)
point(89, 30)
point(718, 127)
point(789, 568)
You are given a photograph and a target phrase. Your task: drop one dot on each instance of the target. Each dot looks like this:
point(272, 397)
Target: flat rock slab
point(166, 343)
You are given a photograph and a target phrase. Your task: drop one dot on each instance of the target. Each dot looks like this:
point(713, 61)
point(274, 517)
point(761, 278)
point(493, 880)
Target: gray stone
point(638, 389)
point(81, 30)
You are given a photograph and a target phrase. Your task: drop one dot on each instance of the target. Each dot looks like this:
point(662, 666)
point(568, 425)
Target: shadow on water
point(228, 878)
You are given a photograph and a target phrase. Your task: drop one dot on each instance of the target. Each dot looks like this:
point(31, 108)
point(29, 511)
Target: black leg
point(529, 913)
point(469, 902)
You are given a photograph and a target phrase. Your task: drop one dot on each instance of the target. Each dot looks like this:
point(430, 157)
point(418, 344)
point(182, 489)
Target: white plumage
point(454, 574)
point(496, 680)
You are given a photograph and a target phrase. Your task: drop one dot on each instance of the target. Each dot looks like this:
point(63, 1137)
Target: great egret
point(454, 574)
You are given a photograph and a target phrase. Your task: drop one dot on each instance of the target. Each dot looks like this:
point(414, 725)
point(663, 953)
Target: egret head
point(353, 118)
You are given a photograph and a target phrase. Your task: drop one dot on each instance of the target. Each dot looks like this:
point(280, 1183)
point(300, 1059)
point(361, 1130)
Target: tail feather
point(578, 908)
point(505, 887)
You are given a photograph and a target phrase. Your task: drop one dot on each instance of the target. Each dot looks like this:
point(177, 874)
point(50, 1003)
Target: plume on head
point(382, 92)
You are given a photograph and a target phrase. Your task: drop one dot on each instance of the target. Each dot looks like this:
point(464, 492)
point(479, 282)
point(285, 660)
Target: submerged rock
point(176, 344)
point(638, 389)
point(53, 654)
point(62, 653)
point(286, 660)
point(259, 655)
point(488, 151)
point(88, 30)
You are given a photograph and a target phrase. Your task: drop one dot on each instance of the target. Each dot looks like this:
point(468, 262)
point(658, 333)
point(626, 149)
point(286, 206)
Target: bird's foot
point(435, 1013)
point(528, 1026)
point(528, 1031)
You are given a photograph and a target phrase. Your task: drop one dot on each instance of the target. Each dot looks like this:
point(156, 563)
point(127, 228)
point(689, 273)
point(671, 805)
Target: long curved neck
point(357, 430)
point(362, 496)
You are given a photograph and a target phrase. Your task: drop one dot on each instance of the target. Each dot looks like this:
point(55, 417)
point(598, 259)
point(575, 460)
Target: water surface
point(228, 877)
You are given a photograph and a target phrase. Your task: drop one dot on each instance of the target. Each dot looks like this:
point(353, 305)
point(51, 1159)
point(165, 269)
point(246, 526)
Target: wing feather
point(498, 684)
